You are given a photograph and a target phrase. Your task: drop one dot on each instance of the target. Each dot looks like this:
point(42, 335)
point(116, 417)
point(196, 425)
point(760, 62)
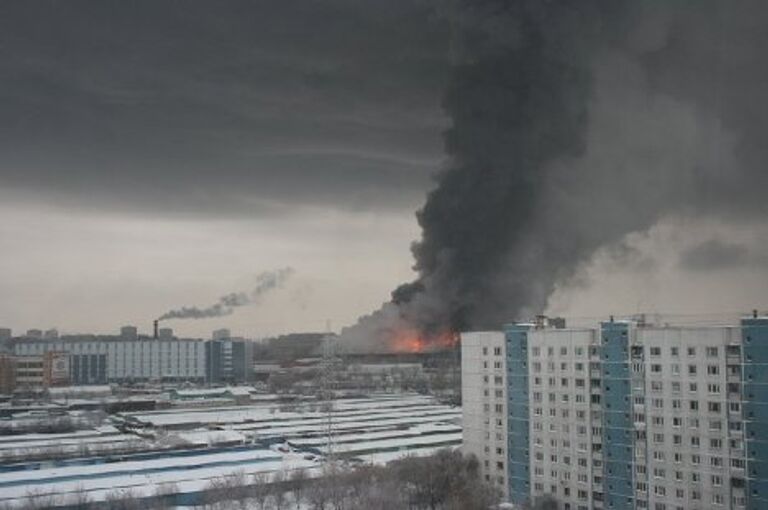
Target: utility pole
point(328, 387)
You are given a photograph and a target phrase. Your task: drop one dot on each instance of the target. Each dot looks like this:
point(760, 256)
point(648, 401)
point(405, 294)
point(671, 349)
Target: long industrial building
point(120, 359)
point(624, 415)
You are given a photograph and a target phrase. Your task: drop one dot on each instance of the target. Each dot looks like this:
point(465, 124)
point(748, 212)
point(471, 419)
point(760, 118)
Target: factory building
point(626, 415)
point(228, 360)
point(33, 371)
point(118, 359)
point(129, 333)
point(99, 360)
point(7, 374)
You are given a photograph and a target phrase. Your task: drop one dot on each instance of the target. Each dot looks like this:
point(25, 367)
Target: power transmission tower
point(328, 382)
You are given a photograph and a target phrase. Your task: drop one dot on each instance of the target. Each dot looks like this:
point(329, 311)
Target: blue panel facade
point(88, 369)
point(517, 413)
point(213, 357)
point(617, 416)
point(755, 393)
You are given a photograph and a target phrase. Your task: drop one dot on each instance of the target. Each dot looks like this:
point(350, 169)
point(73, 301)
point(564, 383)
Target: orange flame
point(414, 341)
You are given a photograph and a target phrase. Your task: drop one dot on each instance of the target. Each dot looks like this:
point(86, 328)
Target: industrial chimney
point(155, 329)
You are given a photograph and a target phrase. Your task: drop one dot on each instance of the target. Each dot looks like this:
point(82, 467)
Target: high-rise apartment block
point(484, 420)
point(625, 415)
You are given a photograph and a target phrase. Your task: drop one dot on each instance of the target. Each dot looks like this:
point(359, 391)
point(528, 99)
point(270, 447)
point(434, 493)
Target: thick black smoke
point(226, 304)
point(574, 124)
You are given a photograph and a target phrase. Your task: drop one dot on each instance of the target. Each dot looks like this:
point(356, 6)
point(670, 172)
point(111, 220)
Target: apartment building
point(630, 415)
point(484, 416)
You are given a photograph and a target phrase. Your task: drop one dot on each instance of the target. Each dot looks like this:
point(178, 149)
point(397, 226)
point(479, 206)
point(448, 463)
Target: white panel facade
point(484, 403)
point(133, 359)
point(561, 425)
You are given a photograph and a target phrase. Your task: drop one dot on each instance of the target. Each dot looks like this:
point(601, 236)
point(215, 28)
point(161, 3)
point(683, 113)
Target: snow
point(378, 430)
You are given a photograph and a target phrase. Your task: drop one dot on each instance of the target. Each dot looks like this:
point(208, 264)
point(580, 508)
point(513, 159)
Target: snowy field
point(270, 438)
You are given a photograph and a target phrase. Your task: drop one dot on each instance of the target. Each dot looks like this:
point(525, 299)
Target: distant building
point(295, 345)
point(236, 394)
point(88, 368)
point(29, 371)
point(99, 360)
point(229, 360)
point(34, 333)
point(117, 359)
point(129, 333)
point(5, 334)
point(56, 369)
point(165, 334)
point(221, 334)
point(7, 374)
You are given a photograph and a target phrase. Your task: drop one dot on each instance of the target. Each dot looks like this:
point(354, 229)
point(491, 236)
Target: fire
point(414, 341)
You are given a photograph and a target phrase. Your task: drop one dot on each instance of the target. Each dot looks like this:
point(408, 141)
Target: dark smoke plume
point(226, 305)
point(573, 124)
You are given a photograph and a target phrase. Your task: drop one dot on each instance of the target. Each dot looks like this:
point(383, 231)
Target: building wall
point(122, 360)
point(518, 416)
point(7, 374)
point(56, 369)
point(560, 412)
point(618, 431)
point(29, 371)
point(755, 409)
point(629, 415)
point(484, 410)
point(686, 419)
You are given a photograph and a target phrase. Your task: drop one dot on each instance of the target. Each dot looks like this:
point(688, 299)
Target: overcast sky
point(159, 154)
point(155, 154)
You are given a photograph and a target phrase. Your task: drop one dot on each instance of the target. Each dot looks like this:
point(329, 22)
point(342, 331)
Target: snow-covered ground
point(377, 430)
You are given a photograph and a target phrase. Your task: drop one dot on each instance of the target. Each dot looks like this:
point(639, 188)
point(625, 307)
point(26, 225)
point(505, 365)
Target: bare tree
point(124, 499)
point(317, 494)
point(337, 480)
point(37, 499)
point(298, 484)
point(277, 489)
point(360, 482)
point(79, 498)
point(237, 488)
point(215, 493)
point(260, 491)
point(164, 496)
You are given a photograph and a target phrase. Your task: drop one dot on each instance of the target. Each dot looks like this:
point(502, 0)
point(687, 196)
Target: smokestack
point(754, 314)
point(155, 335)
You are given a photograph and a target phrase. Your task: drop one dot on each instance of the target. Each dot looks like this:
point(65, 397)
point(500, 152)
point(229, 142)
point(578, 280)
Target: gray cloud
point(232, 108)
